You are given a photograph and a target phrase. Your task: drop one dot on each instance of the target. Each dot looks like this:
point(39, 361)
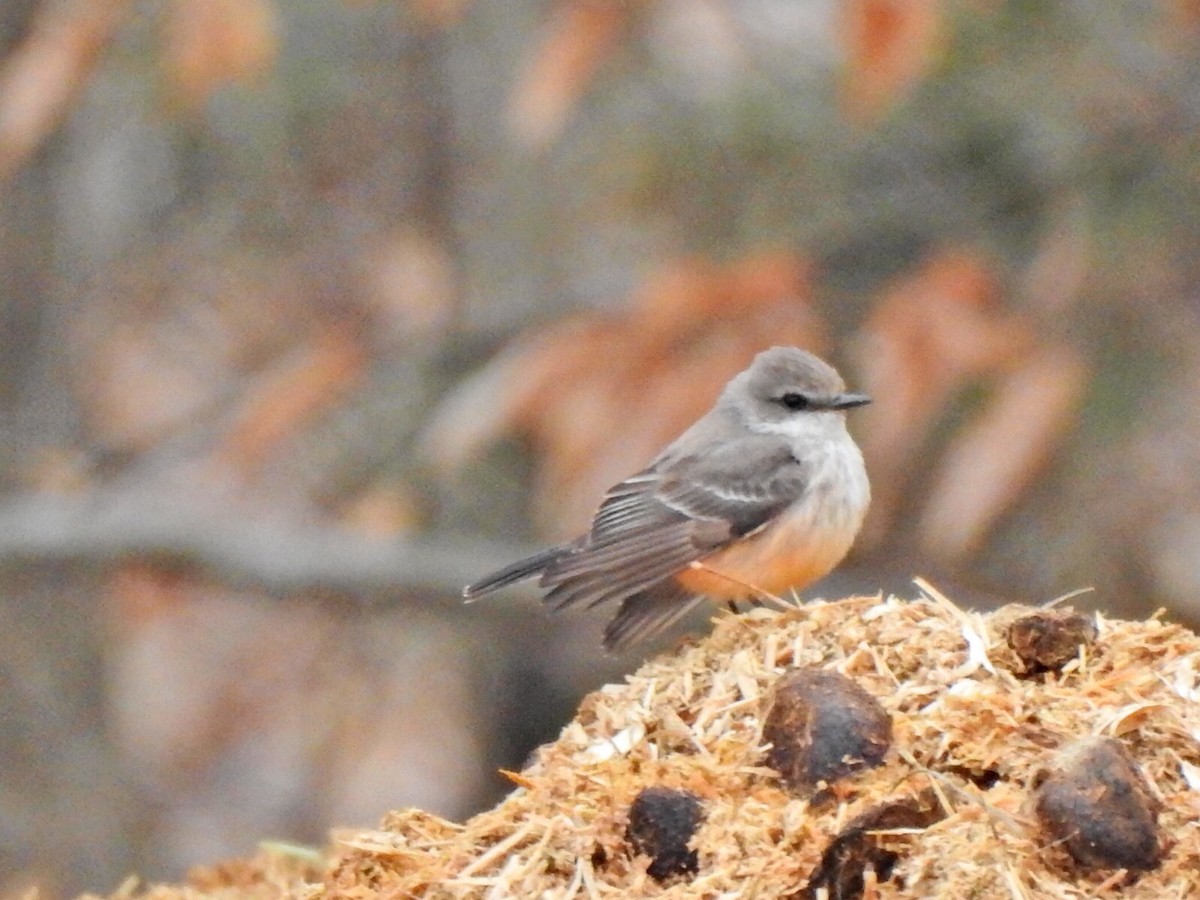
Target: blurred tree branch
point(276, 555)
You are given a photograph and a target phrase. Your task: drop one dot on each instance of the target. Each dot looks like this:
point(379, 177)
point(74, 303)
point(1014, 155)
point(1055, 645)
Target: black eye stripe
point(794, 400)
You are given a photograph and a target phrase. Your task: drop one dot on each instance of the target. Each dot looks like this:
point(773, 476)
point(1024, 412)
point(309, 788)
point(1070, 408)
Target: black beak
point(849, 401)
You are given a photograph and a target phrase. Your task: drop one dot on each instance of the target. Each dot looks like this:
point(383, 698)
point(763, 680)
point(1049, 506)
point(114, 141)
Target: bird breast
point(803, 543)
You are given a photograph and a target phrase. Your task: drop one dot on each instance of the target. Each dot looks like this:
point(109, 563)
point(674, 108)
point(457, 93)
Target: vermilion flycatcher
point(763, 493)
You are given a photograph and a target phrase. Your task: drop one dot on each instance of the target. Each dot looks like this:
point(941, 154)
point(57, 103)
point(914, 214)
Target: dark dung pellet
point(1050, 639)
point(661, 823)
point(822, 726)
point(1094, 801)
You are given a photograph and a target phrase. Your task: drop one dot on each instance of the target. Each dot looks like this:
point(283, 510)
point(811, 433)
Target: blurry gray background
point(314, 311)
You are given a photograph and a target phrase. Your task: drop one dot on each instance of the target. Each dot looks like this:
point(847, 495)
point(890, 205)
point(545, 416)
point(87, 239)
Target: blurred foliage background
point(314, 311)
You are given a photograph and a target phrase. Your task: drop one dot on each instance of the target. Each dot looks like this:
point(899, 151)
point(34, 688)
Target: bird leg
point(758, 593)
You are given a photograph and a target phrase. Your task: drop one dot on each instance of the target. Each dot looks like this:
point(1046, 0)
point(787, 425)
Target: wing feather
point(647, 613)
point(653, 524)
point(657, 522)
point(630, 547)
point(593, 589)
point(744, 486)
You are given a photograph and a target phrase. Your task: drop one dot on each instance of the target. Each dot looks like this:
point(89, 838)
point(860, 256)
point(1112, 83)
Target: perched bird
point(764, 492)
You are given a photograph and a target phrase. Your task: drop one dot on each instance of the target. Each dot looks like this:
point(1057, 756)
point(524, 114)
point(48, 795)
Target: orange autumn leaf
point(135, 391)
point(1055, 277)
point(383, 510)
point(1181, 14)
point(929, 335)
point(503, 396)
point(576, 41)
point(769, 276)
point(141, 592)
point(41, 78)
point(281, 401)
point(684, 295)
point(676, 298)
point(407, 282)
point(890, 45)
point(996, 457)
point(211, 44)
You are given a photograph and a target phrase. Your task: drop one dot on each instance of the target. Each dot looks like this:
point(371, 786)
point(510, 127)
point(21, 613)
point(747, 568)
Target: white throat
point(836, 463)
point(804, 430)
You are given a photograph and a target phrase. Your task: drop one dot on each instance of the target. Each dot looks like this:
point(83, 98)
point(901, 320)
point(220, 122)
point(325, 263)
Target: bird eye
point(793, 400)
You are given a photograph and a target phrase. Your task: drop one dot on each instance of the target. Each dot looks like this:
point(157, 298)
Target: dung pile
point(870, 747)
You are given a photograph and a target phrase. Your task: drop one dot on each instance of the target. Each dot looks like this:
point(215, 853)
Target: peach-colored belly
point(786, 554)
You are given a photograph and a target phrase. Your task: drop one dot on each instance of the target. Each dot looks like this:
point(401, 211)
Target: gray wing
point(657, 522)
point(645, 614)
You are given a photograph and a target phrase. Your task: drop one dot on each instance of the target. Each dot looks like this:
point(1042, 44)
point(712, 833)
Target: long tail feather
point(511, 574)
